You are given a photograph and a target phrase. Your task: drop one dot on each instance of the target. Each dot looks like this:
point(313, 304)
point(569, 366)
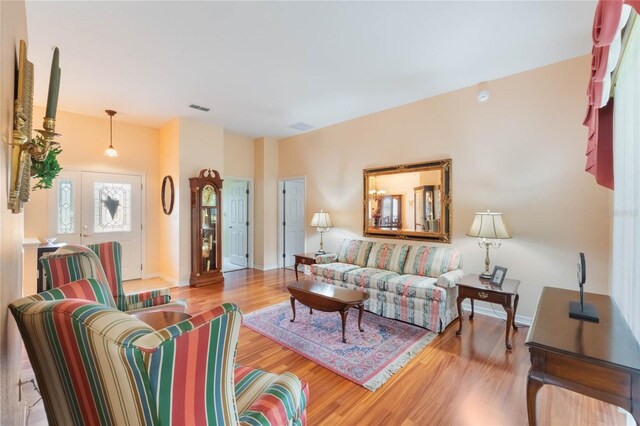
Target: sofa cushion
point(355, 252)
point(369, 277)
point(432, 261)
point(414, 286)
point(390, 257)
point(333, 271)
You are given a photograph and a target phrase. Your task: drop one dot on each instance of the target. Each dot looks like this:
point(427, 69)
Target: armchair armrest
point(326, 258)
point(145, 299)
point(86, 289)
point(450, 279)
point(283, 401)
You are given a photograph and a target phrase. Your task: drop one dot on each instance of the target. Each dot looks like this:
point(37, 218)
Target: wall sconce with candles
point(489, 229)
point(110, 151)
point(322, 222)
point(25, 149)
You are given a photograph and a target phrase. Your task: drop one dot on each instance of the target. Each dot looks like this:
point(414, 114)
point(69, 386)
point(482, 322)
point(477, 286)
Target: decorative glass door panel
point(112, 207)
point(111, 211)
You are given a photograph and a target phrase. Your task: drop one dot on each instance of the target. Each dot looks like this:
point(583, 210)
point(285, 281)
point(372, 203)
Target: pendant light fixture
point(111, 151)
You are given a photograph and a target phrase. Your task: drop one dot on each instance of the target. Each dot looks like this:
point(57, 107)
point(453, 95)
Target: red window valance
point(610, 17)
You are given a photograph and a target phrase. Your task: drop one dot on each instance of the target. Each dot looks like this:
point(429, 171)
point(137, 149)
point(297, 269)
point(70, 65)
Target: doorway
point(236, 224)
point(89, 208)
point(292, 220)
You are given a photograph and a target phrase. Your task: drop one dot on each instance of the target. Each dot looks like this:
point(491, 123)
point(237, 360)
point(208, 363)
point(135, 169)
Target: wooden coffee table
point(161, 319)
point(327, 298)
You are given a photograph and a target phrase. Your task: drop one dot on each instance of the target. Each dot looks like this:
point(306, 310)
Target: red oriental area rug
point(369, 358)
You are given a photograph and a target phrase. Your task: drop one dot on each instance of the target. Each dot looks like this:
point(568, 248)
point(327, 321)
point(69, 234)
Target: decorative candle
point(54, 85)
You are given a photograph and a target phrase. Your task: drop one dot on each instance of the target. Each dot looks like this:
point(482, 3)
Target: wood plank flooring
point(466, 380)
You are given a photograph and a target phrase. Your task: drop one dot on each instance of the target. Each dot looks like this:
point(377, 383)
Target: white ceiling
point(262, 66)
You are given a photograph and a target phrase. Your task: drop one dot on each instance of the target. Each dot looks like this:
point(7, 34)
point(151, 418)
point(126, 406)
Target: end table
point(304, 259)
point(475, 288)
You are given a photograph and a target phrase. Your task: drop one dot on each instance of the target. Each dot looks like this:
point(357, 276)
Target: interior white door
point(294, 226)
point(235, 206)
point(112, 211)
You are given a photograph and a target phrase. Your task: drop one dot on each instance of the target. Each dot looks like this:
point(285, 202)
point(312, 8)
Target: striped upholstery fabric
point(432, 261)
point(334, 271)
point(355, 252)
point(103, 262)
point(270, 399)
point(97, 365)
point(366, 278)
point(425, 295)
point(415, 286)
point(85, 289)
point(388, 256)
point(450, 279)
point(83, 359)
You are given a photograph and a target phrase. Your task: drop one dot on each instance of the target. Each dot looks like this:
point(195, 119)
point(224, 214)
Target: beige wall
point(266, 204)
point(520, 153)
point(169, 225)
point(201, 147)
point(13, 27)
point(238, 156)
point(84, 140)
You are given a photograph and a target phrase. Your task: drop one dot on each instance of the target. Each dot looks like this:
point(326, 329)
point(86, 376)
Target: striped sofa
point(97, 365)
point(412, 283)
point(103, 262)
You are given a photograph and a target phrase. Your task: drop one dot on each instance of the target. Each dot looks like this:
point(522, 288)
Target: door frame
point(249, 215)
point(52, 201)
point(281, 260)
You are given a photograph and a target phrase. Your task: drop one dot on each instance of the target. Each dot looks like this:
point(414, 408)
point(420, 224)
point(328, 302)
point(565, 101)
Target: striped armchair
point(97, 365)
point(103, 262)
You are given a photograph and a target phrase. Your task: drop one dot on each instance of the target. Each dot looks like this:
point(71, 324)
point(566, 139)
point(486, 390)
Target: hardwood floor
point(466, 380)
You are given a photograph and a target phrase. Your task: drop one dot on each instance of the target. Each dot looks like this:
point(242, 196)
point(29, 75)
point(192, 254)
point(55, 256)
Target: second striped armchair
point(103, 262)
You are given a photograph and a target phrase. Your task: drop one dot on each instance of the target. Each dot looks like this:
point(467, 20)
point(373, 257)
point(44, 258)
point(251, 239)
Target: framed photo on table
point(498, 275)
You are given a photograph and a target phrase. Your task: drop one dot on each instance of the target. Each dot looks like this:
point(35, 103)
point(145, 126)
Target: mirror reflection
point(409, 201)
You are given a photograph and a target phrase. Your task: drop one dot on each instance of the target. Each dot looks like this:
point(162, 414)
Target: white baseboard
point(493, 310)
point(265, 268)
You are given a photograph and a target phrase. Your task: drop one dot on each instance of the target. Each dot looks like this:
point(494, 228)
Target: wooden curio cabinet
point(206, 235)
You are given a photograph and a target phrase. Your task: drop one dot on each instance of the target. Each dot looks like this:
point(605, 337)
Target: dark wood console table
point(600, 360)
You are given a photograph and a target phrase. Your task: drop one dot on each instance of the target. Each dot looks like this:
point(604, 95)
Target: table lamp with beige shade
point(322, 222)
point(489, 228)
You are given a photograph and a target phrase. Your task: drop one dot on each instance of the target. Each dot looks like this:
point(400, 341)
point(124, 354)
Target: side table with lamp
point(322, 222)
point(489, 228)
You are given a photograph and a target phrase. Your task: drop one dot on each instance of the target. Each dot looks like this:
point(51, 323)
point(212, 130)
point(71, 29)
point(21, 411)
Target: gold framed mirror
point(409, 201)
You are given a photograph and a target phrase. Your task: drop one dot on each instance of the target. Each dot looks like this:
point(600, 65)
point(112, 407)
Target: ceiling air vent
point(303, 127)
point(199, 108)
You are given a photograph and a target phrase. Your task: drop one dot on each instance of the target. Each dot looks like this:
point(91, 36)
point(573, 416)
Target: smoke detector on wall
point(484, 95)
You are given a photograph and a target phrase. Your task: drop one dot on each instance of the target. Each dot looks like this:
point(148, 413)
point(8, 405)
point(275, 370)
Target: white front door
point(111, 211)
point(90, 208)
point(293, 220)
point(236, 209)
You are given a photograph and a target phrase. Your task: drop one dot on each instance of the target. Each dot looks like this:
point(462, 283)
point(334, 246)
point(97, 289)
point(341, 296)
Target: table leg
point(515, 311)
point(310, 311)
point(472, 310)
point(533, 386)
point(295, 267)
point(360, 311)
point(509, 311)
point(293, 307)
point(459, 303)
point(343, 314)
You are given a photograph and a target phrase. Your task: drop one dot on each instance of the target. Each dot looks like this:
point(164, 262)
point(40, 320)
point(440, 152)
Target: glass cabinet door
point(209, 227)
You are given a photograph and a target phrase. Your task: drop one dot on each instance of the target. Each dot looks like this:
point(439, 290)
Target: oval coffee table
point(327, 298)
